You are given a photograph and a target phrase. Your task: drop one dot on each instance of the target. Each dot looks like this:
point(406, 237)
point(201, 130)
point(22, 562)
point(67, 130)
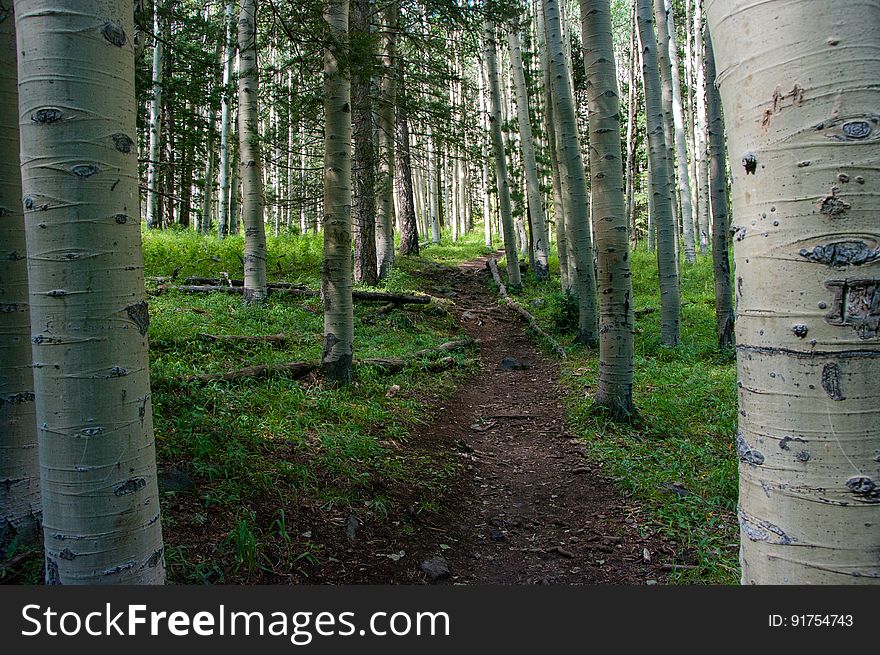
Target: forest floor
point(530, 509)
point(487, 471)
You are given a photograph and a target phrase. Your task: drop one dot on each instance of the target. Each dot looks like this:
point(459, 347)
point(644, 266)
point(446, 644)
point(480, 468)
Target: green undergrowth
point(260, 450)
point(678, 461)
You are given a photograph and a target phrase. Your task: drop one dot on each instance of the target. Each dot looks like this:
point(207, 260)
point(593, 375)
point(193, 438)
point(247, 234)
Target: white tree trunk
point(153, 219)
point(19, 467)
point(700, 137)
point(660, 180)
point(533, 188)
point(803, 131)
point(337, 274)
point(249, 154)
point(226, 122)
point(668, 58)
point(501, 179)
point(385, 178)
point(578, 230)
point(89, 316)
point(616, 329)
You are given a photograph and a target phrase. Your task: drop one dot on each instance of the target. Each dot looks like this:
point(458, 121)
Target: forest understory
point(490, 469)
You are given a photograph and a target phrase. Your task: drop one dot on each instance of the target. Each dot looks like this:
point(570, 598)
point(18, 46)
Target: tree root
point(287, 288)
point(297, 370)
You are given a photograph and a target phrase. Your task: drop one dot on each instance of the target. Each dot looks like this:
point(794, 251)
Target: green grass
point(679, 460)
point(260, 448)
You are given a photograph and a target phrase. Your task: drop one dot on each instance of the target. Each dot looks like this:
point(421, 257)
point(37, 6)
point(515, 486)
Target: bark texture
point(678, 127)
point(336, 279)
point(409, 228)
point(571, 162)
point(385, 181)
point(364, 218)
point(153, 217)
point(89, 317)
point(501, 177)
point(724, 317)
point(616, 329)
point(530, 166)
point(19, 467)
point(800, 98)
point(659, 180)
point(226, 123)
point(249, 152)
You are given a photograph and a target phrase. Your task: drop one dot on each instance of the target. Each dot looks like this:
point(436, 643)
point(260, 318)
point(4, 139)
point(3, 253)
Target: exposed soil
point(535, 512)
point(525, 506)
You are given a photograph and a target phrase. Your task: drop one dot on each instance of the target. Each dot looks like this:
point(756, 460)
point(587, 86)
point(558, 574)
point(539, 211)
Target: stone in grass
point(436, 568)
point(175, 479)
point(513, 364)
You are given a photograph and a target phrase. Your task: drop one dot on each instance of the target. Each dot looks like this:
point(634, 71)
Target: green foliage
point(260, 448)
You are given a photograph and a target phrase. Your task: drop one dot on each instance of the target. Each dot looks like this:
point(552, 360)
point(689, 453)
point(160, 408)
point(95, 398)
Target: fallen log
point(294, 370)
point(275, 339)
point(227, 282)
point(274, 288)
point(297, 370)
point(519, 309)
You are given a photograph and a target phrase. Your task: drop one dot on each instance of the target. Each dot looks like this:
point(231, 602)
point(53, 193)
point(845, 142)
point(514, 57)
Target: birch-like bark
point(226, 122)
point(616, 329)
point(364, 169)
point(336, 280)
point(800, 98)
point(660, 180)
point(484, 154)
point(385, 178)
point(668, 59)
point(153, 217)
point(89, 316)
point(249, 156)
point(700, 137)
point(724, 317)
point(578, 230)
point(560, 210)
point(630, 126)
point(19, 467)
point(433, 206)
point(409, 229)
point(530, 165)
point(501, 179)
point(234, 193)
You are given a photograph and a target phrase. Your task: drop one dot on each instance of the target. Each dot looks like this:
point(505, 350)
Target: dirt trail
point(531, 510)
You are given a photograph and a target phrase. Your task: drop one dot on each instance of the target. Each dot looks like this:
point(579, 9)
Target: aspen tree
point(800, 97)
point(226, 121)
point(718, 165)
point(249, 153)
point(89, 317)
point(700, 137)
point(153, 215)
point(530, 166)
point(19, 467)
point(364, 167)
point(659, 179)
point(409, 232)
point(501, 178)
point(667, 56)
point(616, 329)
point(336, 279)
point(385, 178)
point(575, 186)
